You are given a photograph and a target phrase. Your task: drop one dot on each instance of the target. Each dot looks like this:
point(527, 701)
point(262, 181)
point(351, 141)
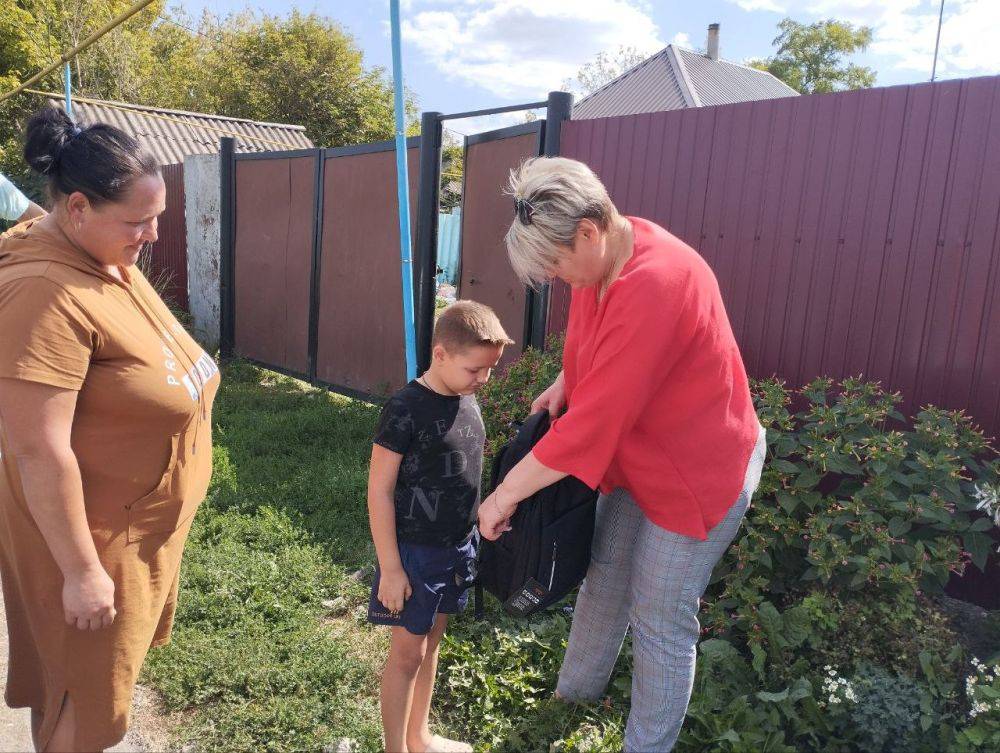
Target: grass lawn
point(257, 661)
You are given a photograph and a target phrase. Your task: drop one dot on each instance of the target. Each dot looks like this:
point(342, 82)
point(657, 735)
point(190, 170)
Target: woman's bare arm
point(37, 421)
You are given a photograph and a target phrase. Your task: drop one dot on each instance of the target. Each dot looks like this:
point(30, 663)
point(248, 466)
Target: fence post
point(227, 233)
point(429, 187)
point(560, 108)
point(316, 267)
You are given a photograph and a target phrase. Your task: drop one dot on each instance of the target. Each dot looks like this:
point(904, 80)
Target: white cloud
point(469, 126)
point(905, 30)
point(970, 39)
point(525, 48)
point(768, 5)
point(681, 39)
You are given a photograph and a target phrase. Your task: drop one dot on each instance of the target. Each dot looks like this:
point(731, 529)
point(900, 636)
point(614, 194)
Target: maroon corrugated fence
point(486, 275)
point(275, 201)
point(359, 343)
point(168, 256)
point(852, 234)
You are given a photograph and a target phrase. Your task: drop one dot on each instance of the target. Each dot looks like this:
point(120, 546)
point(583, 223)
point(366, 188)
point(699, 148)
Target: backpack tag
point(524, 601)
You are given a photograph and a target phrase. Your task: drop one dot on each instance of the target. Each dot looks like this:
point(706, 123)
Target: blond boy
point(423, 495)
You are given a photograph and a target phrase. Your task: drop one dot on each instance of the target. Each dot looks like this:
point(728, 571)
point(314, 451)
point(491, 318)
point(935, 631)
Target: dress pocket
point(158, 511)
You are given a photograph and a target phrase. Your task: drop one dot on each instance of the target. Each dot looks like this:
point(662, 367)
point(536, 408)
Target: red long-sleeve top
point(658, 397)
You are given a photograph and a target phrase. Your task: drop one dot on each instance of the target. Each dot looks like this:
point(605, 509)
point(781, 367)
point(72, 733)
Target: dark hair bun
point(100, 161)
point(49, 131)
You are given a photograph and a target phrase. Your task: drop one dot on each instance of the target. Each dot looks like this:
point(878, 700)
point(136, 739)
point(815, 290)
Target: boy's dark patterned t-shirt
point(441, 439)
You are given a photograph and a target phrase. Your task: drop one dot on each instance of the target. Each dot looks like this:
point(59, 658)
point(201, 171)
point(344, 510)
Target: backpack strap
point(480, 608)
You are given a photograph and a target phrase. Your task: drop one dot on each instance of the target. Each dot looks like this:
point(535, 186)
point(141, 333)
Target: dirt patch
point(151, 725)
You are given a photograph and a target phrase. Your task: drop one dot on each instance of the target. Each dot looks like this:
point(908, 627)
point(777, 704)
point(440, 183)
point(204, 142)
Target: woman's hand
point(494, 517)
point(394, 589)
point(89, 599)
point(553, 399)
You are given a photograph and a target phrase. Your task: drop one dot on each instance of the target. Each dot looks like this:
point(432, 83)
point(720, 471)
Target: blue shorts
point(439, 579)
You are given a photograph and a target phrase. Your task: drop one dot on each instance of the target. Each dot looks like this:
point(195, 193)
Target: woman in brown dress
point(105, 437)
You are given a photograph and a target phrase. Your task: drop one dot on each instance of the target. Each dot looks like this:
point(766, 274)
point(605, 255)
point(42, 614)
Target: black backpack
point(546, 553)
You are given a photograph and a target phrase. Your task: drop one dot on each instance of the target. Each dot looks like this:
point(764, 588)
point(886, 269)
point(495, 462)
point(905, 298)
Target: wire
point(67, 56)
point(937, 44)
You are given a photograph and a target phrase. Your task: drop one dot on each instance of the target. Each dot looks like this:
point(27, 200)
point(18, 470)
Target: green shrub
point(849, 503)
point(886, 715)
point(858, 518)
point(982, 690)
point(507, 397)
point(732, 710)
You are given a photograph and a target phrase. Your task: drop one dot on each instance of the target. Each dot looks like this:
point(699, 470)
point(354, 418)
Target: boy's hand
point(493, 520)
point(394, 589)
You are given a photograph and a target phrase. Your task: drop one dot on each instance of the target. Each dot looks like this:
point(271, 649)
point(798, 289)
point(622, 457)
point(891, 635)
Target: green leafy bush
point(853, 501)
point(982, 689)
point(887, 711)
point(859, 520)
point(507, 397)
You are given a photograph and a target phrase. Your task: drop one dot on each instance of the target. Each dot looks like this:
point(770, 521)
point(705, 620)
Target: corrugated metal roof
point(720, 82)
point(676, 78)
point(651, 86)
point(172, 134)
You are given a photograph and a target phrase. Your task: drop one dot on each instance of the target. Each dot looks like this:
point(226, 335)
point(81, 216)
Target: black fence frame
point(558, 108)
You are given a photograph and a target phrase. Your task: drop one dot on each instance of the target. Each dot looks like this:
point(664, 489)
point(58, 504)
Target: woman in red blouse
point(658, 416)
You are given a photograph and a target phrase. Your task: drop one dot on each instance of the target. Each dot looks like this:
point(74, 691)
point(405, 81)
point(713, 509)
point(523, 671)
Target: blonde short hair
point(467, 324)
point(551, 196)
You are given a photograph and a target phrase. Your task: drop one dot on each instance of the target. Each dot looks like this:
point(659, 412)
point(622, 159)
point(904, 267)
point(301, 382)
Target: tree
point(602, 70)
point(810, 58)
point(302, 69)
point(113, 68)
point(452, 172)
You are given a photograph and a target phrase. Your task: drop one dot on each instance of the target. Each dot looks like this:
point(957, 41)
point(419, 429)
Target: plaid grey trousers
point(652, 580)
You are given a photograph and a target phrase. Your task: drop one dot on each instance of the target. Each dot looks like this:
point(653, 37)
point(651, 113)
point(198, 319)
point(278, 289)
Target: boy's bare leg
point(418, 734)
point(406, 655)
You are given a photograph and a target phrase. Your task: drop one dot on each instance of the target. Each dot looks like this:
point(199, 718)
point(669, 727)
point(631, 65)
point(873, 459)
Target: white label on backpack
point(525, 601)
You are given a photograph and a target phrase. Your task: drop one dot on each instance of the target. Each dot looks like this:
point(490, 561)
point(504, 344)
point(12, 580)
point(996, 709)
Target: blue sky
point(470, 54)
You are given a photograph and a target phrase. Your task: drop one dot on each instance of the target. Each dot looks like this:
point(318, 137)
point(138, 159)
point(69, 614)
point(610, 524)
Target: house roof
point(676, 78)
point(172, 134)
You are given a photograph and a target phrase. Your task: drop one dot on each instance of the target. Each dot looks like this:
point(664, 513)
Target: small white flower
point(989, 501)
